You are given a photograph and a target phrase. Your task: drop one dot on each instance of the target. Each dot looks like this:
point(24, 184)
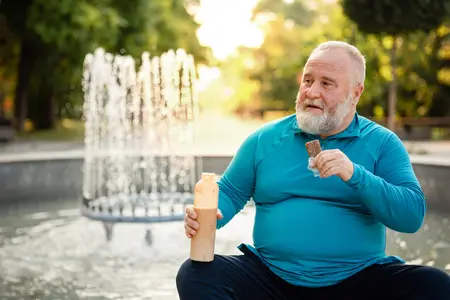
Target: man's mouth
point(312, 106)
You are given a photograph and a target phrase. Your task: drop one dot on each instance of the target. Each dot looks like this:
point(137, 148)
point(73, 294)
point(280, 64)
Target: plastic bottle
point(206, 199)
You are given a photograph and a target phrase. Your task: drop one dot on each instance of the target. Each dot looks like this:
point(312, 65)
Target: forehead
point(332, 62)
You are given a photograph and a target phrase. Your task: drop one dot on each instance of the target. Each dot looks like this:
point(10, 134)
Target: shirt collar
point(353, 130)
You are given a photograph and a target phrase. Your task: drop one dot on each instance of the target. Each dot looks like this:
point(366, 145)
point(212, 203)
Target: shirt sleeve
point(393, 193)
point(237, 184)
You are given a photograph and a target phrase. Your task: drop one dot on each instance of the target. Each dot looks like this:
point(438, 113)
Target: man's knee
point(185, 273)
point(191, 272)
point(433, 280)
point(201, 280)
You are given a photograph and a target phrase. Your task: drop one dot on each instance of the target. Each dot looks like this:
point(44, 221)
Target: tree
point(440, 104)
point(280, 59)
point(52, 48)
point(294, 11)
point(287, 45)
point(396, 19)
point(46, 44)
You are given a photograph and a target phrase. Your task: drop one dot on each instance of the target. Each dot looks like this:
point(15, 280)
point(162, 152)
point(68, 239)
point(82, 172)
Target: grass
point(66, 130)
point(216, 133)
point(211, 125)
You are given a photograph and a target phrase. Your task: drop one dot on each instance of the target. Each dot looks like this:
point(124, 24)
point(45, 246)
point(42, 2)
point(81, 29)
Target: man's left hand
point(333, 162)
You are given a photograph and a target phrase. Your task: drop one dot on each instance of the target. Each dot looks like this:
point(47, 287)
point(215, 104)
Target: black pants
point(245, 277)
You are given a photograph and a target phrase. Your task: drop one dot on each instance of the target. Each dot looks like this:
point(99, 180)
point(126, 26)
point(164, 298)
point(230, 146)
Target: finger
point(192, 223)
point(322, 158)
point(189, 230)
point(334, 170)
point(191, 212)
point(188, 234)
point(219, 215)
point(328, 165)
point(326, 156)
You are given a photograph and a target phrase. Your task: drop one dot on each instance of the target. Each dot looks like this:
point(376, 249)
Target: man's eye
point(307, 81)
point(325, 83)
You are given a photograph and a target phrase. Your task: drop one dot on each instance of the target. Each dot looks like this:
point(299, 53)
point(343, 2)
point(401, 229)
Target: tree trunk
point(392, 101)
point(42, 111)
point(440, 105)
point(2, 100)
point(48, 119)
point(26, 63)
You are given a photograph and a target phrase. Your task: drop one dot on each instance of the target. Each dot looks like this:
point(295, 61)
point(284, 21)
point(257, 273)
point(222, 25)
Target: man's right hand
point(190, 224)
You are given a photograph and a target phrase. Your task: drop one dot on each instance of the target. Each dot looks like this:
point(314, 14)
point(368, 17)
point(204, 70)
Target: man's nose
point(313, 91)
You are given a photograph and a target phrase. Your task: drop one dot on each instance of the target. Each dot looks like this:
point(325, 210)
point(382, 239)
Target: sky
point(226, 24)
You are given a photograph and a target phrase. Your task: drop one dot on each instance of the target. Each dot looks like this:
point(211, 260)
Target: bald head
point(356, 59)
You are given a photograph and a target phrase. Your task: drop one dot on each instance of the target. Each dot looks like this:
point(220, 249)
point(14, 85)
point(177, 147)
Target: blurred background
point(249, 56)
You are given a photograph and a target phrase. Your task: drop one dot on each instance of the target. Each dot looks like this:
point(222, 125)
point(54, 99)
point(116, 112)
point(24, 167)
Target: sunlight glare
point(226, 25)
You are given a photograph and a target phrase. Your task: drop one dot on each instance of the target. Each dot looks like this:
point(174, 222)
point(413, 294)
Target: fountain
point(139, 135)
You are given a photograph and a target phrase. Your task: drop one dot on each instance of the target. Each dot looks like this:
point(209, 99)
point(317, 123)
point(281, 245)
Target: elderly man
point(319, 237)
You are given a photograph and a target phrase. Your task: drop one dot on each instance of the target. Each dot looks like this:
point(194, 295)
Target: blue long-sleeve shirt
point(314, 231)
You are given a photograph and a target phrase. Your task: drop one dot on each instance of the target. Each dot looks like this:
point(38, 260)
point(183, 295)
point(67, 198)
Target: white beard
point(330, 120)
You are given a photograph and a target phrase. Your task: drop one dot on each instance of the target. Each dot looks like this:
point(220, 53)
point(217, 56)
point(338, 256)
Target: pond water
point(48, 251)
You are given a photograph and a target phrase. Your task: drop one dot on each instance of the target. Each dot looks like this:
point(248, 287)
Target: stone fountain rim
point(42, 156)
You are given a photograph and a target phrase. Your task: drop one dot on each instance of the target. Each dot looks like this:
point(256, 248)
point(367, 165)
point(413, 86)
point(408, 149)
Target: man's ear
point(357, 92)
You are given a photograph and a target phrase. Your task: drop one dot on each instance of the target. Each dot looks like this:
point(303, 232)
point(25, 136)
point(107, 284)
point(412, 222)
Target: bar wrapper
point(313, 148)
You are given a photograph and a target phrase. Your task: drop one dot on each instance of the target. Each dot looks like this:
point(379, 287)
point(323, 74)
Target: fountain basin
point(47, 176)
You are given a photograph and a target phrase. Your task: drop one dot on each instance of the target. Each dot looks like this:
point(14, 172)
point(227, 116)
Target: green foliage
point(233, 90)
point(73, 28)
point(423, 71)
point(294, 11)
point(279, 61)
point(278, 64)
point(401, 20)
point(396, 17)
point(62, 32)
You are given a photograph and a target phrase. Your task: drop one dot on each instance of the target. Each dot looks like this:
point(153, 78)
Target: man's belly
point(303, 230)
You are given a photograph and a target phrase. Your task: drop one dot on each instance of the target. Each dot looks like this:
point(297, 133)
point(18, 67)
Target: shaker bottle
point(206, 198)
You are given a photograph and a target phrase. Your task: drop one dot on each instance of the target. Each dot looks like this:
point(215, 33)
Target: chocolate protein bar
point(313, 148)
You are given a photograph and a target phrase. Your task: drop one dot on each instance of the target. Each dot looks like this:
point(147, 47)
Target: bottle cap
point(208, 176)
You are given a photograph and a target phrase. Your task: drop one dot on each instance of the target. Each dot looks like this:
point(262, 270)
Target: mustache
point(317, 103)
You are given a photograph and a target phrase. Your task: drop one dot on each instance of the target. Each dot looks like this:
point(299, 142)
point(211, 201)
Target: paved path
point(216, 135)
point(223, 146)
